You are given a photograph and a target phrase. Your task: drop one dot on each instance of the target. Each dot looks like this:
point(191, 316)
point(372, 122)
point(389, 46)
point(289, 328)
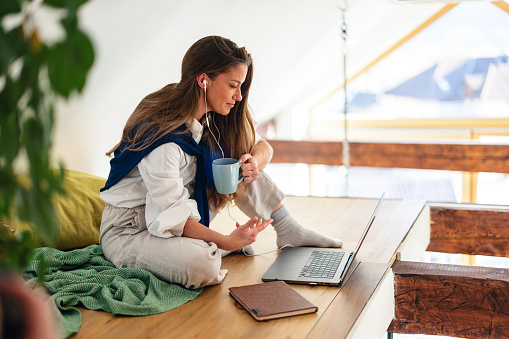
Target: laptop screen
point(363, 236)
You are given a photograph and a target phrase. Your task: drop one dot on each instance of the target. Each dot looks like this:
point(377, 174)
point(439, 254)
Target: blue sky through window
point(470, 30)
point(445, 54)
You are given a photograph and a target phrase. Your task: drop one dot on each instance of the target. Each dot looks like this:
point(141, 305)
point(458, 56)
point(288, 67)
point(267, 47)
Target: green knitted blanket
point(85, 276)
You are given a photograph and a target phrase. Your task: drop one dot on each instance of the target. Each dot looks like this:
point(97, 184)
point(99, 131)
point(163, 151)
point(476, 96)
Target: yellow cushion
point(78, 212)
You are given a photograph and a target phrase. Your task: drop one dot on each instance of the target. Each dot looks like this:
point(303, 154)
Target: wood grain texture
point(452, 300)
point(469, 229)
point(348, 305)
point(308, 152)
point(466, 156)
point(214, 314)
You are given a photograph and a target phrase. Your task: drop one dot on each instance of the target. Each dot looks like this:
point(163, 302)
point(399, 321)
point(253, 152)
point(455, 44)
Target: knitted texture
point(290, 232)
point(85, 276)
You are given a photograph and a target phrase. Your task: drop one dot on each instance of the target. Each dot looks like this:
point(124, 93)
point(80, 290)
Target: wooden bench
point(453, 300)
point(364, 308)
point(457, 300)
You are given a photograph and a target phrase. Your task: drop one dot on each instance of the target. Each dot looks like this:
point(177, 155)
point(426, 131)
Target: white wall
point(296, 47)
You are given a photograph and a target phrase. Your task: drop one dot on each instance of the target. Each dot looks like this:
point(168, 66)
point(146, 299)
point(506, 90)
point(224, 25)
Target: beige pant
point(189, 262)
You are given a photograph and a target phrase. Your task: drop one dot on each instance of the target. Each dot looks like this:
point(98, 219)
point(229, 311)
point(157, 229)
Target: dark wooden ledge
point(452, 300)
point(473, 229)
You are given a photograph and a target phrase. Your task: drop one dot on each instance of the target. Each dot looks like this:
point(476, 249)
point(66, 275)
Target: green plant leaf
point(26, 122)
point(17, 250)
point(29, 77)
point(9, 120)
point(9, 136)
point(9, 6)
point(70, 4)
point(7, 189)
point(12, 45)
point(69, 63)
point(10, 96)
point(35, 207)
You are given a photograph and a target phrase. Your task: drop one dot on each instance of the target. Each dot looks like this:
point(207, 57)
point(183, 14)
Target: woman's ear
point(203, 80)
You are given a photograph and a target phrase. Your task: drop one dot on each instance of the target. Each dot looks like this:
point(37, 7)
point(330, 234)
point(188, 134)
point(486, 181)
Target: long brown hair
point(161, 112)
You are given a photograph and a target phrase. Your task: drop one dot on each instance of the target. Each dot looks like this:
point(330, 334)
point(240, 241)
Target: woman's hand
point(256, 161)
point(245, 234)
point(250, 168)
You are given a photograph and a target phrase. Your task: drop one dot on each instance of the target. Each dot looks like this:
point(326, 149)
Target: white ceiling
point(296, 45)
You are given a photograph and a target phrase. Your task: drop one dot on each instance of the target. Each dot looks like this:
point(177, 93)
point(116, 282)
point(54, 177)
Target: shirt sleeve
point(257, 137)
point(168, 202)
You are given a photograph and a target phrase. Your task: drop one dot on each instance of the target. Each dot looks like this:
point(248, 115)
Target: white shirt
point(163, 181)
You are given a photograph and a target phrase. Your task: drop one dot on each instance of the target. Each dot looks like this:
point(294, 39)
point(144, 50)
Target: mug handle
point(241, 177)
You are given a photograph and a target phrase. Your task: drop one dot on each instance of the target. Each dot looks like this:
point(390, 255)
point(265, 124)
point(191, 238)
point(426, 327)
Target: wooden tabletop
point(362, 309)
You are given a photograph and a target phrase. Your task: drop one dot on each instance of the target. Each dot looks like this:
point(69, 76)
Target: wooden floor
point(363, 308)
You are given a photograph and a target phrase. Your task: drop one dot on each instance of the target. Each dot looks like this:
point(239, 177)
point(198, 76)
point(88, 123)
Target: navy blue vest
point(125, 160)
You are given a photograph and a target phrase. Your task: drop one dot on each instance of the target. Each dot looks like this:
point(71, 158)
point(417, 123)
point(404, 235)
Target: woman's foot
point(290, 232)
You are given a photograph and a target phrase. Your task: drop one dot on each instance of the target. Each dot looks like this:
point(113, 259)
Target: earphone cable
point(254, 255)
point(228, 206)
point(207, 118)
point(218, 132)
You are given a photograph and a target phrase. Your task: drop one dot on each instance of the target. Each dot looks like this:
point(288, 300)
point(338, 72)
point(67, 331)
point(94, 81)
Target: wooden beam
point(451, 300)
point(470, 180)
point(308, 152)
point(469, 229)
point(502, 5)
point(472, 157)
point(481, 126)
point(466, 156)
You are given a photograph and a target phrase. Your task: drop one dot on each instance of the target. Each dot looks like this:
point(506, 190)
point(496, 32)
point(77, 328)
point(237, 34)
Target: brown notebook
point(271, 300)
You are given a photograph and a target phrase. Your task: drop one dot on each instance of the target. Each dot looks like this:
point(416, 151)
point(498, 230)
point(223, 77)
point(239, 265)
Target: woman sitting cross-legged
point(159, 194)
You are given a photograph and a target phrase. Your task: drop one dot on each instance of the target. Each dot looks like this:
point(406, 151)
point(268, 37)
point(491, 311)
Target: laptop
point(315, 265)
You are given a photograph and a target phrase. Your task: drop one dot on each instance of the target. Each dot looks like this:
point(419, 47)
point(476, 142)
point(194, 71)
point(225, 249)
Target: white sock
point(290, 232)
point(222, 274)
point(249, 249)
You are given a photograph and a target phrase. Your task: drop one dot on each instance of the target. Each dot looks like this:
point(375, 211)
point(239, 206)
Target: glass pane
point(456, 67)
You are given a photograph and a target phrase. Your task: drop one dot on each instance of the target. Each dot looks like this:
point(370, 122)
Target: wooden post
point(452, 300)
point(469, 187)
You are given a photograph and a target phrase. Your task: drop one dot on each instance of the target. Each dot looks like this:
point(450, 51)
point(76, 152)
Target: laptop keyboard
point(321, 264)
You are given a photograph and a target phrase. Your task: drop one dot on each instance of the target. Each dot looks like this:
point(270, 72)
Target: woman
point(159, 190)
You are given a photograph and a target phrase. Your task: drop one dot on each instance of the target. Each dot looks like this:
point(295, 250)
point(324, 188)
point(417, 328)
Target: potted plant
point(35, 74)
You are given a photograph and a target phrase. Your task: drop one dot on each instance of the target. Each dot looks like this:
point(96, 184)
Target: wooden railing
point(436, 299)
point(471, 156)
point(368, 128)
point(455, 228)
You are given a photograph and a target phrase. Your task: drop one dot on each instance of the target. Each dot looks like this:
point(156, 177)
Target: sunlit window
point(457, 68)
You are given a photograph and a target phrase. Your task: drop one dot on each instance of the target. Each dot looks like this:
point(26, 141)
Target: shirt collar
point(196, 130)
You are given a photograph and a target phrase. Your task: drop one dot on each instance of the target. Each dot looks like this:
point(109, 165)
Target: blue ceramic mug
point(226, 175)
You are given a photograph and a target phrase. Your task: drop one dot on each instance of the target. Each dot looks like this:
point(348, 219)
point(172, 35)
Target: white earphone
point(207, 118)
point(206, 113)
